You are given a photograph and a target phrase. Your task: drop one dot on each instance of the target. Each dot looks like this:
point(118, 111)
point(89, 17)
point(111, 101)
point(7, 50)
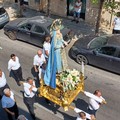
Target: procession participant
point(3, 83)
point(29, 95)
point(46, 47)
point(94, 105)
point(39, 63)
point(116, 24)
point(77, 11)
point(82, 116)
point(9, 104)
point(15, 67)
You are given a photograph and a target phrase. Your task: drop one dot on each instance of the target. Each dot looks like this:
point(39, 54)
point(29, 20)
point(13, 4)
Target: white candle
point(82, 70)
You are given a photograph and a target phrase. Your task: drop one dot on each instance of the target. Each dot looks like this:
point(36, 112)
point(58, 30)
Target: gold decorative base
point(57, 96)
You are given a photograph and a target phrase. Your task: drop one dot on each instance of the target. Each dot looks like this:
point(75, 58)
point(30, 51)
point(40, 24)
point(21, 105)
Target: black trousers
point(16, 1)
point(1, 90)
point(17, 74)
point(15, 110)
point(29, 102)
point(92, 112)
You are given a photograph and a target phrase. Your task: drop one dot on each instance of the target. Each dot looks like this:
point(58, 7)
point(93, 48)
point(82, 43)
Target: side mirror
point(94, 52)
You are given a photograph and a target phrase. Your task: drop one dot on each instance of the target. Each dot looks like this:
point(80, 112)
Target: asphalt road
point(107, 82)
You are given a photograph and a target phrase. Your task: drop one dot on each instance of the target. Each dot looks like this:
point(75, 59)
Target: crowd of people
point(46, 63)
point(40, 62)
point(30, 89)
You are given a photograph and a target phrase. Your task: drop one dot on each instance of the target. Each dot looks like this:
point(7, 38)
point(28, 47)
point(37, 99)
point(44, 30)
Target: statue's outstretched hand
point(62, 46)
point(65, 43)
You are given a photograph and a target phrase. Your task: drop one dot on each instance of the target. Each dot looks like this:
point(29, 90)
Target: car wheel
point(81, 58)
point(11, 35)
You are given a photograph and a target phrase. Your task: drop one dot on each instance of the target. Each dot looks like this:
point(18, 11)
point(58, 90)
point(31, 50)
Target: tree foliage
point(111, 6)
point(95, 1)
point(108, 5)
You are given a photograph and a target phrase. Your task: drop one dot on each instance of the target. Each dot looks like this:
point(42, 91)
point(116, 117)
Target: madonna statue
point(57, 61)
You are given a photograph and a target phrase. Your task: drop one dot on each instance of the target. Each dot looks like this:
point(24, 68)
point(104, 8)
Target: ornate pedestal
point(58, 96)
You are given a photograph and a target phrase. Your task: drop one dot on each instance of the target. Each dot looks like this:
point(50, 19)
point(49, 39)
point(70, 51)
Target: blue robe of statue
point(58, 43)
point(50, 72)
point(54, 61)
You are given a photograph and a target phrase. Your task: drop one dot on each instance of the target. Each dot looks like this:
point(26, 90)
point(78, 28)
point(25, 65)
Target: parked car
point(4, 18)
point(33, 30)
point(103, 52)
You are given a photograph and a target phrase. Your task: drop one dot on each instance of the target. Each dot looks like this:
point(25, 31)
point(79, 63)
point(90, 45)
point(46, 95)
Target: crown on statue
point(56, 25)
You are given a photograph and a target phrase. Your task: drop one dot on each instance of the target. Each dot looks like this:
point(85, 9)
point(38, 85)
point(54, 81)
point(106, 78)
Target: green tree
point(109, 5)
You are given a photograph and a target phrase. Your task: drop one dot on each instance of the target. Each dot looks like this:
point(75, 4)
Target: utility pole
point(48, 8)
point(99, 17)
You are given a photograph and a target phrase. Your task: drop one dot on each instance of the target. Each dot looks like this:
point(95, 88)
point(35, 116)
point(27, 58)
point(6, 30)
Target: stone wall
point(40, 5)
point(58, 7)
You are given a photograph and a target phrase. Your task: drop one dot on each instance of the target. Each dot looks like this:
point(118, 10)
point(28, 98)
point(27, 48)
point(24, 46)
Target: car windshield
point(97, 42)
point(22, 22)
point(2, 11)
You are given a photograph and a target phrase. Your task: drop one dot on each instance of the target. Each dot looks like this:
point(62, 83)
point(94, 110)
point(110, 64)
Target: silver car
point(4, 18)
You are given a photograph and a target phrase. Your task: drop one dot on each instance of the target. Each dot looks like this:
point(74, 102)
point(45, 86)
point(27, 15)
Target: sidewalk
point(82, 28)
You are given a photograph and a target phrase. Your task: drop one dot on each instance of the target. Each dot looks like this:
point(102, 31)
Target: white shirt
point(8, 102)
point(78, 118)
point(78, 111)
point(93, 104)
point(2, 80)
point(117, 23)
point(78, 6)
point(27, 91)
point(13, 65)
point(38, 60)
point(46, 47)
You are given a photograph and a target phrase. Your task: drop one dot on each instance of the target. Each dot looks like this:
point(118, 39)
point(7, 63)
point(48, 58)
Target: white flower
point(69, 79)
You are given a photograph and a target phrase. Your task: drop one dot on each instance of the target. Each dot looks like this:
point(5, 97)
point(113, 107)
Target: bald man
point(93, 104)
point(3, 83)
point(9, 104)
point(38, 62)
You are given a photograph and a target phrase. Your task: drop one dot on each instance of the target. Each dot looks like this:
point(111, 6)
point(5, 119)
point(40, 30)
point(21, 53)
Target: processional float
point(68, 84)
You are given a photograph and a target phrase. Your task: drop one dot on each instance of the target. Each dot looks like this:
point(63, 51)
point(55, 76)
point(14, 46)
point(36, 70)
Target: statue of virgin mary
point(57, 61)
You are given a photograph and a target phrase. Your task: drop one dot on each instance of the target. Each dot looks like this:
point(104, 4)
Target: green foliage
point(111, 6)
point(95, 1)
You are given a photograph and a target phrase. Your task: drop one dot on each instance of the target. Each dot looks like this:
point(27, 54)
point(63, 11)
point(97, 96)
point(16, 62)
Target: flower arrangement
point(69, 79)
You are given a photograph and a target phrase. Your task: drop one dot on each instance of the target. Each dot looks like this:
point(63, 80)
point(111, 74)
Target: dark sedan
point(103, 52)
point(33, 30)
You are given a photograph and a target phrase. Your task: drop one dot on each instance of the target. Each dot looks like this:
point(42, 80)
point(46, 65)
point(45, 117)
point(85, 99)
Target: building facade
point(65, 8)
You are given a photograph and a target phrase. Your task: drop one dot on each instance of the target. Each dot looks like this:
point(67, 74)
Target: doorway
point(70, 8)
